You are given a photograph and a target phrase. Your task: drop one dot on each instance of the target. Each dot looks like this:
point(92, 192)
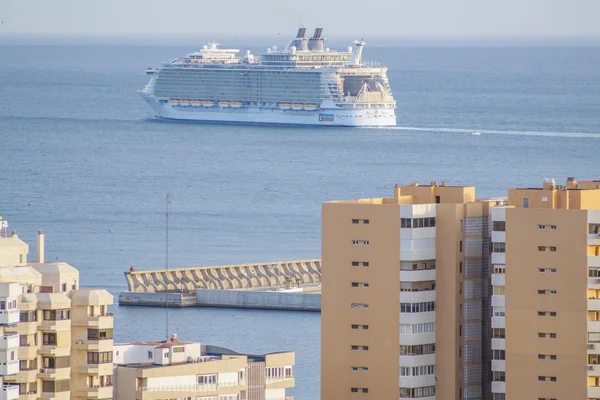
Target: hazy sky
point(406, 18)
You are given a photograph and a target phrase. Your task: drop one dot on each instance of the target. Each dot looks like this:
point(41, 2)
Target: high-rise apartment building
point(60, 334)
point(546, 293)
point(405, 295)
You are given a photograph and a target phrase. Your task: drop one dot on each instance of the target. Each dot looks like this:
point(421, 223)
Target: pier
point(280, 285)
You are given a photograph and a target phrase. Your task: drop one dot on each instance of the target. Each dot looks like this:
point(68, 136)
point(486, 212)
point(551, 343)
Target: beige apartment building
point(173, 369)
point(405, 295)
point(61, 335)
point(546, 293)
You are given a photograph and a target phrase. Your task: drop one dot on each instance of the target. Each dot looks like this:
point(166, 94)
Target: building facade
point(59, 332)
point(179, 370)
point(405, 295)
point(546, 303)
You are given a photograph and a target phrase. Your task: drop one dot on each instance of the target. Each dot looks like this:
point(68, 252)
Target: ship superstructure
point(305, 83)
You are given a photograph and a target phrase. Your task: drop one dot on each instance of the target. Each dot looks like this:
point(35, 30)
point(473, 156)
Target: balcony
point(96, 392)
point(498, 322)
point(9, 317)
point(54, 326)
point(498, 236)
point(417, 276)
point(498, 258)
point(181, 388)
point(96, 321)
point(9, 368)
point(280, 382)
point(498, 344)
point(498, 365)
point(498, 300)
point(593, 348)
point(56, 395)
point(417, 297)
point(594, 239)
point(593, 392)
point(29, 396)
point(417, 381)
point(27, 375)
point(27, 328)
point(27, 352)
point(593, 370)
point(55, 373)
point(593, 305)
point(593, 283)
point(498, 279)
point(9, 392)
point(593, 261)
point(94, 345)
point(498, 387)
point(9, 342)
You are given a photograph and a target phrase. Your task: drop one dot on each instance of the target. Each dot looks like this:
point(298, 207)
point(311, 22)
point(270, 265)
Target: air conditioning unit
point(79, 342)
point(43, 371)
point(591, 367)
point(591, 346)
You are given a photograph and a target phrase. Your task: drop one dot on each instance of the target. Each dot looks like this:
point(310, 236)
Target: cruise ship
point(306, 83)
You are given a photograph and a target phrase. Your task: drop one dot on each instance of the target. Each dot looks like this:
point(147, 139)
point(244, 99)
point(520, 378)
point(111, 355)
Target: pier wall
point(226, 277)
point(259, 299)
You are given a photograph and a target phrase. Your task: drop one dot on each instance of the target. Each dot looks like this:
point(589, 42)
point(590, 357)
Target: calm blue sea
point(83, 158)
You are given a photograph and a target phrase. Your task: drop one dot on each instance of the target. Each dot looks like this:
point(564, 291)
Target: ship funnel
point(316, 42)
point(300, 42)
point(358, 44)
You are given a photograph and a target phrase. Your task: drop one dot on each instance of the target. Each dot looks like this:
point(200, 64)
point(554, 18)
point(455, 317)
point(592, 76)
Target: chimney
point(40, 247)
point(571, 183)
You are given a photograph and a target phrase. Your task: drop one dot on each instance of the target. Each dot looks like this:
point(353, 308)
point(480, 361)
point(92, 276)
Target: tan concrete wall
point(447, 317)
point(523, 280)
point(382, 296)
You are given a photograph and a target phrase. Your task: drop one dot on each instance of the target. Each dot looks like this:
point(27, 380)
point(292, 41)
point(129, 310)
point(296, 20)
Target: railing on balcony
point(278, 379)
point(180, 388)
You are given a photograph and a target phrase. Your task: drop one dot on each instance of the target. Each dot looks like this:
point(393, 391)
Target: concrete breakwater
point(226, 277)
point(302, 299)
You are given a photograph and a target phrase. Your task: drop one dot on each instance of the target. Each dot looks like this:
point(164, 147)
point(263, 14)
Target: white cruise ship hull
point(264, 115)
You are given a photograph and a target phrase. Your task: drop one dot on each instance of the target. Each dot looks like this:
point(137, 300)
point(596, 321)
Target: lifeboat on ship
point(297, 107)
point(173, 102)
point(310, 107)
point(224, 104)
point(196, 103)
point(208, 103)
point(184, 102)
point(285, 106)
point(236, 104)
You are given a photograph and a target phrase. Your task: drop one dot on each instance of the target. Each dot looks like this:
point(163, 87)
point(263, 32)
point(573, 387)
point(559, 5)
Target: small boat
point(236, 104)
point(310, 107)
point(297, 107)
point(150, 71)
point(224, 104)
point(208, 103)
point(184, 102)
point(475, 133)
point(196, 103)
point(173, 102)
point(285, 106)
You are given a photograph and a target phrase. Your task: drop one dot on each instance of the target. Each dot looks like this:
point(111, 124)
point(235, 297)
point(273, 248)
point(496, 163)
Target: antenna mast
point(168, 201)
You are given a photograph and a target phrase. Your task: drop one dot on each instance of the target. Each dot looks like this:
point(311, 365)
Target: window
point(541, 291)
point(552, 248)
point(424, 391)
point(365, 390)
point(355, 263)
point(150, 355)
point(542, 227)
point(56, 315)
point(500, 290)
point(104, 357)
point(541, 378)
point(354, 369)
point(206, 379)
point(499, 376)
point(499, 312)
point(498, 333)
point(417, 307)
point(417, 350)
point(365, 327)
point(355, 221)
point(553, 336)
point(553, 356)
point(49, 338)
point(541, 356)
point(552, 379)
point(354, 390)
point(541, 335)
point(552, 270)
point(355, 242)
point(438, 199)
point(499, 226)
point(366, 242)
point(354, 347)
point(541, 313)
point(365, 264)
point(365, 348)
point(354, 326)
point(541, 248)
point(365, 369)
point(498, 247)
point(553, 227)
point(56, 386)
point(460, 246)
point(553, 292)
point(499, 269)
point(541, 270)
point(365, 221)
point(64, 287)
point(354, 284)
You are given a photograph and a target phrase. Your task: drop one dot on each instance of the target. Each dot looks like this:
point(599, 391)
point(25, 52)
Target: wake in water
point(492, 131)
